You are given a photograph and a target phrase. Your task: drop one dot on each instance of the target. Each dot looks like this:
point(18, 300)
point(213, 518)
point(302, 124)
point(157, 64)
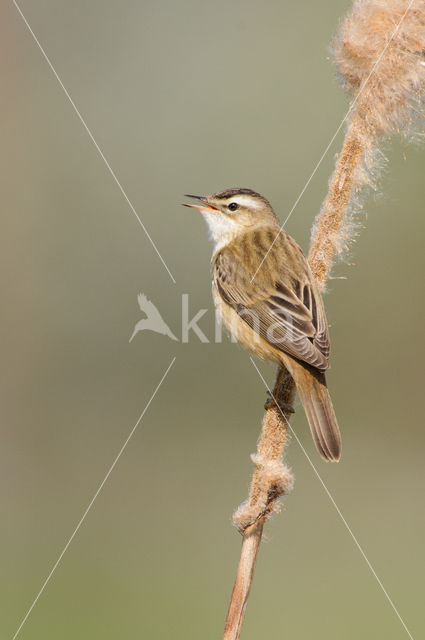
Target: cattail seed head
point(380, 55)
point(274, 479)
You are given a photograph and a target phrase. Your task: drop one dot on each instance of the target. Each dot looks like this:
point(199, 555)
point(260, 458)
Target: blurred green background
point(192, 97)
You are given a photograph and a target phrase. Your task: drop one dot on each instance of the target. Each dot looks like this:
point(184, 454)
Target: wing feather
point(282, 303)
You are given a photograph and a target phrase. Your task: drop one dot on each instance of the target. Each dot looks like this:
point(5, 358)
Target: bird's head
point(233, 211)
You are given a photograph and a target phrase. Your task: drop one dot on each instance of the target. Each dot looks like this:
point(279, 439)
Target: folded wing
point(282, 303)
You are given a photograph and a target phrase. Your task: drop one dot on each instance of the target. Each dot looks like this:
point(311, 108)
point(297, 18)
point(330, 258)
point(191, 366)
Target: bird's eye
point(233, 206)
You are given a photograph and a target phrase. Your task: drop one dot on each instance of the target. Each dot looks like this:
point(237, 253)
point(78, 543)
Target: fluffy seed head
point(380, 54)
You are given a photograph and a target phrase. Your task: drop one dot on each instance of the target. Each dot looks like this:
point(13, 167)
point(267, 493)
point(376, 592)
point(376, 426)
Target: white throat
point(221, 228)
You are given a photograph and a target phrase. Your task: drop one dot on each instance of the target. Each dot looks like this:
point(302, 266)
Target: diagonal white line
point(99, 150)
point(338, 510)
point(83, 517)
point(335, 134)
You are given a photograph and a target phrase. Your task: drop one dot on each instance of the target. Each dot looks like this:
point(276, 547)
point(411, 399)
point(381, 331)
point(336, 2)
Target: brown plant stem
point(265, 487)
point(380, 55)
point(270, 480)
point(327, 240)
point(244, 575)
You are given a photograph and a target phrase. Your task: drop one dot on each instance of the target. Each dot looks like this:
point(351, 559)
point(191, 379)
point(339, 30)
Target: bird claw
point(283, 406)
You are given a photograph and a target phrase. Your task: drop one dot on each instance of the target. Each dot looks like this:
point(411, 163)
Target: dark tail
point(314, 394)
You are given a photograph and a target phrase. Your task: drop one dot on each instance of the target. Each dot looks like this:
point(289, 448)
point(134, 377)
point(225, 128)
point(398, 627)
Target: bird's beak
point(206, 206)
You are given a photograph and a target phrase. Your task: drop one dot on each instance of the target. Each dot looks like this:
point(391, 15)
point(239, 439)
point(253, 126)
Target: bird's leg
point(272, 402)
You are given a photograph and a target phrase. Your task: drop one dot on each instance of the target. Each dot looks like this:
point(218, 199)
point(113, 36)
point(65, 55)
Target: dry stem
point(271, 479)
point(386, 95)
point(266, 488)
point(328, 239)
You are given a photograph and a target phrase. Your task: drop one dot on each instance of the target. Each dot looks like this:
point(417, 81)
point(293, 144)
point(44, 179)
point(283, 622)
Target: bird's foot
point(283, 406)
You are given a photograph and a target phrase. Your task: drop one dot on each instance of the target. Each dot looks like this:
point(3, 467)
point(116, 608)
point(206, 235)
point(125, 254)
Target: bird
point(268, 300)
point(153, 321)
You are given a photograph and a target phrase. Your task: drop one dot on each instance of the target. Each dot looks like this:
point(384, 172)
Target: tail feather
point(314, 395)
